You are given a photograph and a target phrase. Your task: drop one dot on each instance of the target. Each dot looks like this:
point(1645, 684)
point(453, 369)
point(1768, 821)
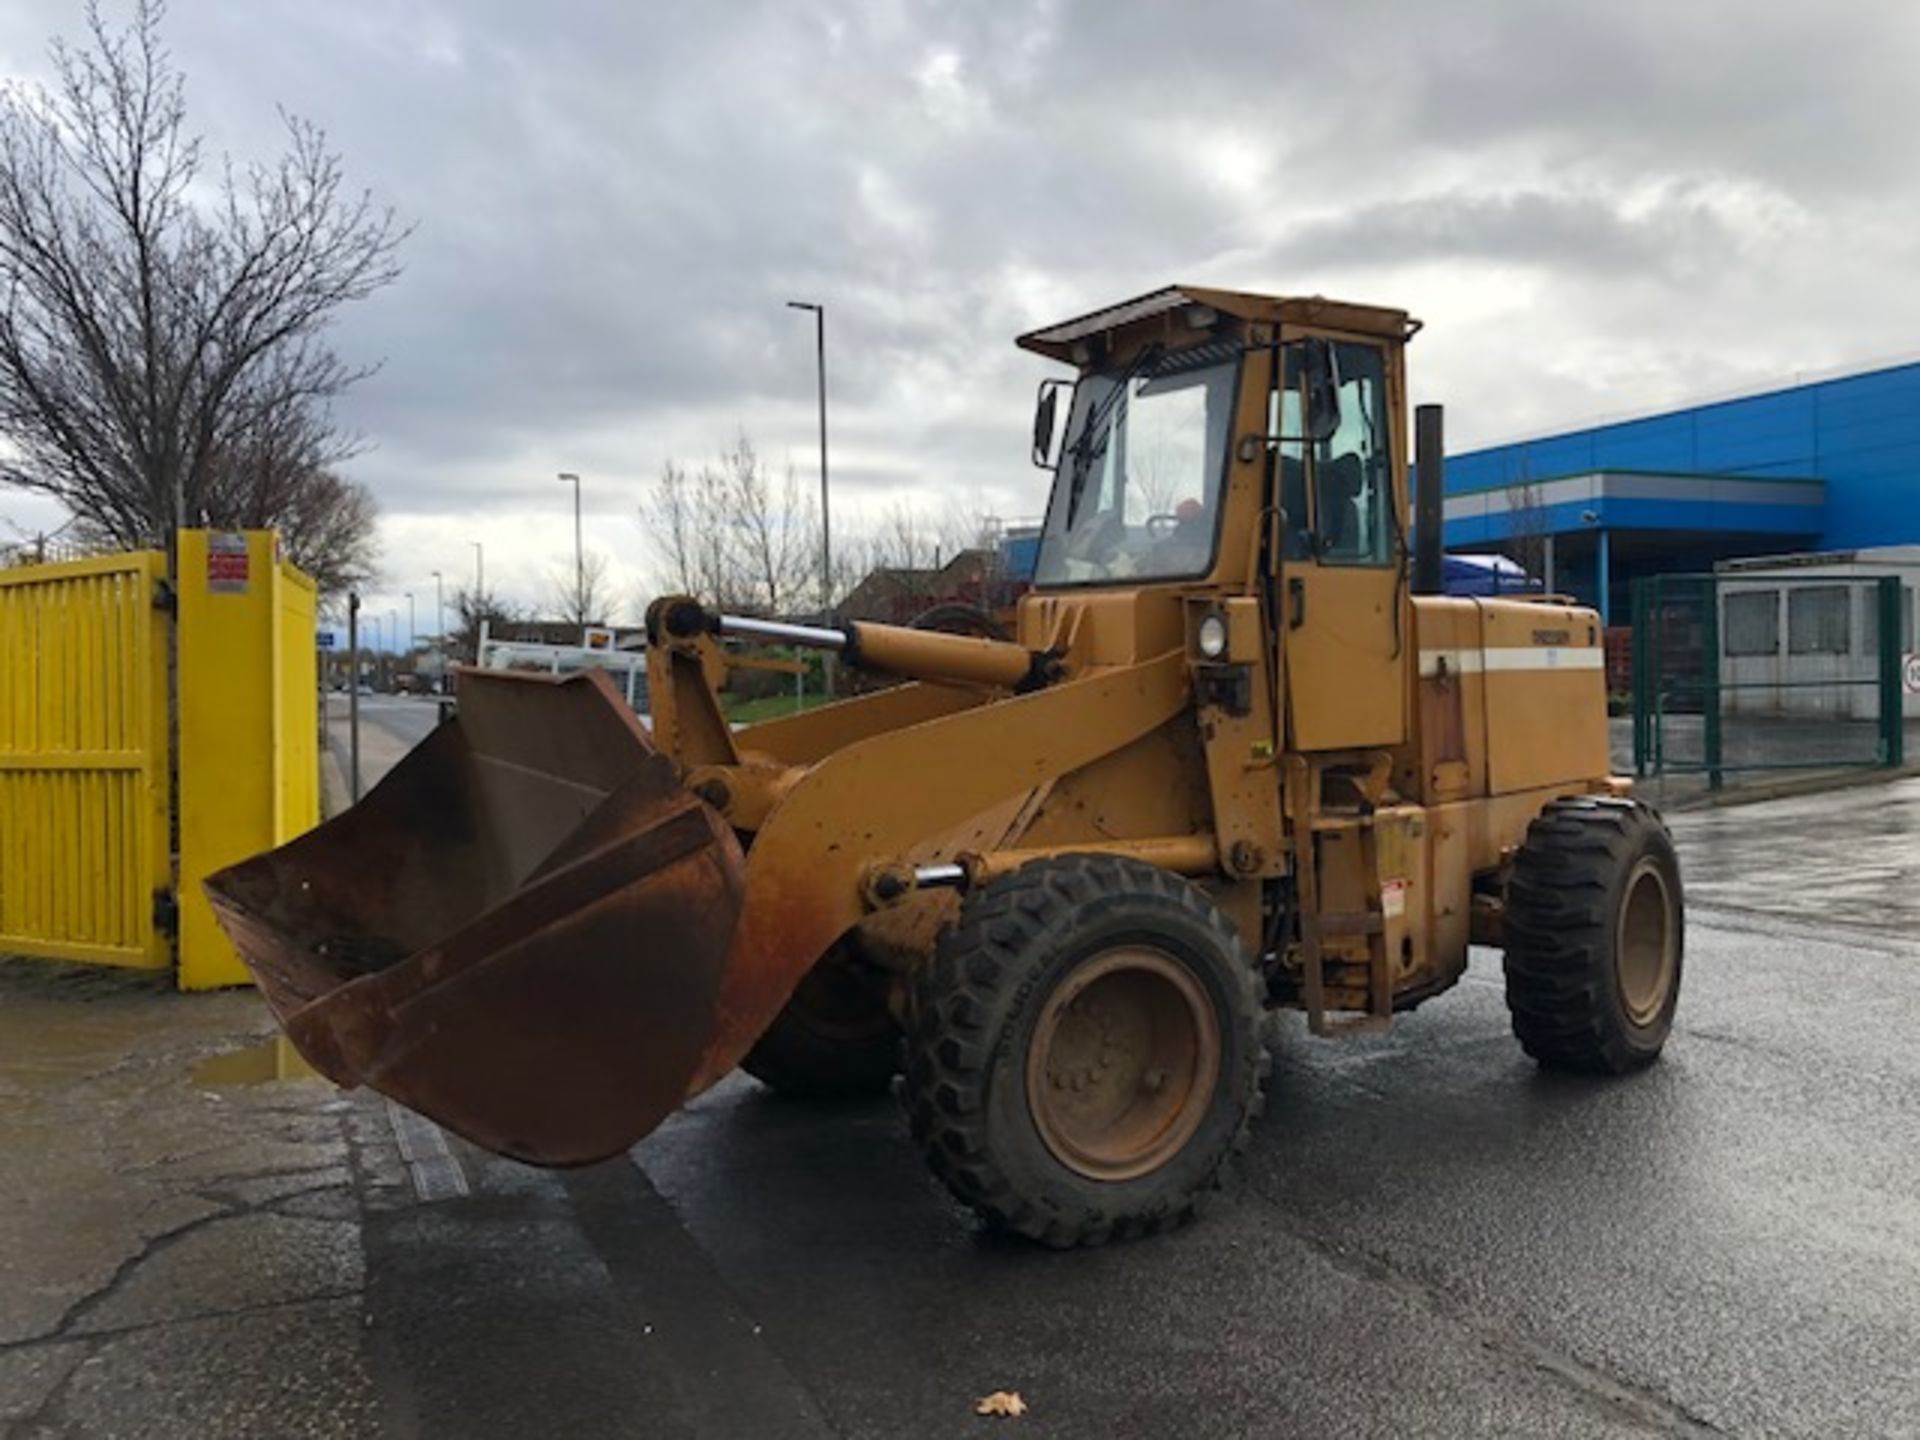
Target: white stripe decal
point(1512, 657)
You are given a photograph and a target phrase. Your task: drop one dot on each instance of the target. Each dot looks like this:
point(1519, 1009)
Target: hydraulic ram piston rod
point(778, 632)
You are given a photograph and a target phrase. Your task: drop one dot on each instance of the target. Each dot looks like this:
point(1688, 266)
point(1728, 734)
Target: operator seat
point(1340, 480)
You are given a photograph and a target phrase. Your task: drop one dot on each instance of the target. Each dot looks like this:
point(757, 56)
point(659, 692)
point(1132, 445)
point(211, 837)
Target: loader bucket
point(519, 932)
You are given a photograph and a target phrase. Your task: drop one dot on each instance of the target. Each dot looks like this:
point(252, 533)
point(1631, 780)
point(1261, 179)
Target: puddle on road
point(269, 1060)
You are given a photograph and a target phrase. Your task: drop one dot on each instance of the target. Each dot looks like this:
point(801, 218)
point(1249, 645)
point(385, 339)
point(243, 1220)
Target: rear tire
point(1084, 1050)
point(956, 617)
point(835, 1039)
point(1595, 930)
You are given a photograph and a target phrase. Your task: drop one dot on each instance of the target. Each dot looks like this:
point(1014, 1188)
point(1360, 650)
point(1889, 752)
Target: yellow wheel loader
point(1239, 754)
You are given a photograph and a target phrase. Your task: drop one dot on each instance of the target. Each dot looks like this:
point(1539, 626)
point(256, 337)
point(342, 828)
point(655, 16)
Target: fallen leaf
point(1000, 1402)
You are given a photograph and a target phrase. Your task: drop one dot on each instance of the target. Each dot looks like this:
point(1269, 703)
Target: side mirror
point(1045, 418)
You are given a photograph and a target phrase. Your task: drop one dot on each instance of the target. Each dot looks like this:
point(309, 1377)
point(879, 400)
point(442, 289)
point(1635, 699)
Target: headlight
point(1212, 637)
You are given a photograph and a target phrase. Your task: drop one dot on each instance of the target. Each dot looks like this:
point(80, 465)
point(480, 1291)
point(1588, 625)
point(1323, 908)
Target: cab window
point(1338, 493)
point(1137, 493)
point(1352, 471)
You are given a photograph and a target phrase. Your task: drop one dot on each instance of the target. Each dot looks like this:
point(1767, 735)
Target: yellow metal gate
point(84, 843)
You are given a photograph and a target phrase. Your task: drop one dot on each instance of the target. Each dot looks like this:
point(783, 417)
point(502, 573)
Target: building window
point(1870, 620)
point(1753, 622)
point(1817, 620)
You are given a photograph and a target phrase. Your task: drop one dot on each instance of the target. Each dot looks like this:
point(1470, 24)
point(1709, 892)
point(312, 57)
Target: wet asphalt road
point(1427, 1236)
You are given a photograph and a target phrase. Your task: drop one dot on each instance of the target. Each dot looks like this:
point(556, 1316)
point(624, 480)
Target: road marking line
point(431, 1163)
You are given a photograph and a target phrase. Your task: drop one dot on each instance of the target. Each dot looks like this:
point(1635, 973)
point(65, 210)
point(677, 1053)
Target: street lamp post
point(826, 525)
point(413, 624)
point(353, 697)
point(439, 615)
point(579, 555)
point(479, 593)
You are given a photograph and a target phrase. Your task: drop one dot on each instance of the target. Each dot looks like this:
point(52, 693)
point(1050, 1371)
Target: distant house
point(894, 595)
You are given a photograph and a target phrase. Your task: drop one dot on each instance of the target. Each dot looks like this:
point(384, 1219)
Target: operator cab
point(1143, 463)
point(1217, 443)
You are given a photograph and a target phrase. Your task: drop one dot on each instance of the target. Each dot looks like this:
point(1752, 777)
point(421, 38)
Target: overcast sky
point(1597, 209)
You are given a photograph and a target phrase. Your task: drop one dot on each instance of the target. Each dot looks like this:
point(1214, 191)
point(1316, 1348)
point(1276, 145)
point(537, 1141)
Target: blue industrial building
point(1827, 465)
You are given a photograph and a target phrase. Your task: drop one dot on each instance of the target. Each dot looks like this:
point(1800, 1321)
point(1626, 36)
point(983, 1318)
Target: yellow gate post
point(249, 763)
point(84, 848)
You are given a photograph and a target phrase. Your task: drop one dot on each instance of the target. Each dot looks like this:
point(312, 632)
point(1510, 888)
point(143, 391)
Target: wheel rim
point(1645, 950)
point(1123, 1063)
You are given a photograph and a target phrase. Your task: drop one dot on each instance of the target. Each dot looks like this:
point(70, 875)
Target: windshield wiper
point(1083, 451)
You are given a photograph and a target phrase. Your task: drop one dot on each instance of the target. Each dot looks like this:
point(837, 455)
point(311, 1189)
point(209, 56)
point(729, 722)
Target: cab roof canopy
point(1195, 308)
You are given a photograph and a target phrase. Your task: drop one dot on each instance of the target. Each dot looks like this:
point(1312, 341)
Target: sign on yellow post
point(249, 764)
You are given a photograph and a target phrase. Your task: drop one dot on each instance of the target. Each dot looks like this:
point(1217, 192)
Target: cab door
point(1341, 579)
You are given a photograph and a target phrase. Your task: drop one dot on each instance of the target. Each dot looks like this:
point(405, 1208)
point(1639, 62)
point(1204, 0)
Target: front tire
point(1595, 936)
point(1084, 1050)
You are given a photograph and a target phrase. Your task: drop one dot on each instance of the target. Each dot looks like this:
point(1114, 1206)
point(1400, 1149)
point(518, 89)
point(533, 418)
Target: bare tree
point(583, 596)
point(473, 607)
point(162, 358)
point(736, 536)
point(1529, 527)
point(666, 519)
point(280, 475)
point(912, 540)
point(774, 530)
point(902, 562)
point(904, 539)
point(327, 524)
point(895, 558)
point(732, 535)
point(19, 546)
point(682, 518)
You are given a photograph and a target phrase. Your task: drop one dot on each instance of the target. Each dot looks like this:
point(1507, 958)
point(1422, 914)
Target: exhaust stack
point(1429, 458)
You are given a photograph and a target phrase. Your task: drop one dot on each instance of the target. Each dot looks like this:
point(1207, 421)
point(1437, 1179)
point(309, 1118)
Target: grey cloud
point(615, 201)
point(1572, 233)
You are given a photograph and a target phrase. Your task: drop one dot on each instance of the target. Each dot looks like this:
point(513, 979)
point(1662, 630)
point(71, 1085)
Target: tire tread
point(948, 1046)
point(1559, 931)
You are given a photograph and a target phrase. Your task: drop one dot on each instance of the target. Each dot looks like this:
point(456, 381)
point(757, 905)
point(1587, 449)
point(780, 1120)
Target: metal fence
point(19, 549)
point(1761, 671)
point(88, 758)
point(84, 864)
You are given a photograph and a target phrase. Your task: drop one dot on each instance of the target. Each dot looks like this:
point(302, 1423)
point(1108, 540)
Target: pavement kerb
point(1814, 784)
point(333, 784)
